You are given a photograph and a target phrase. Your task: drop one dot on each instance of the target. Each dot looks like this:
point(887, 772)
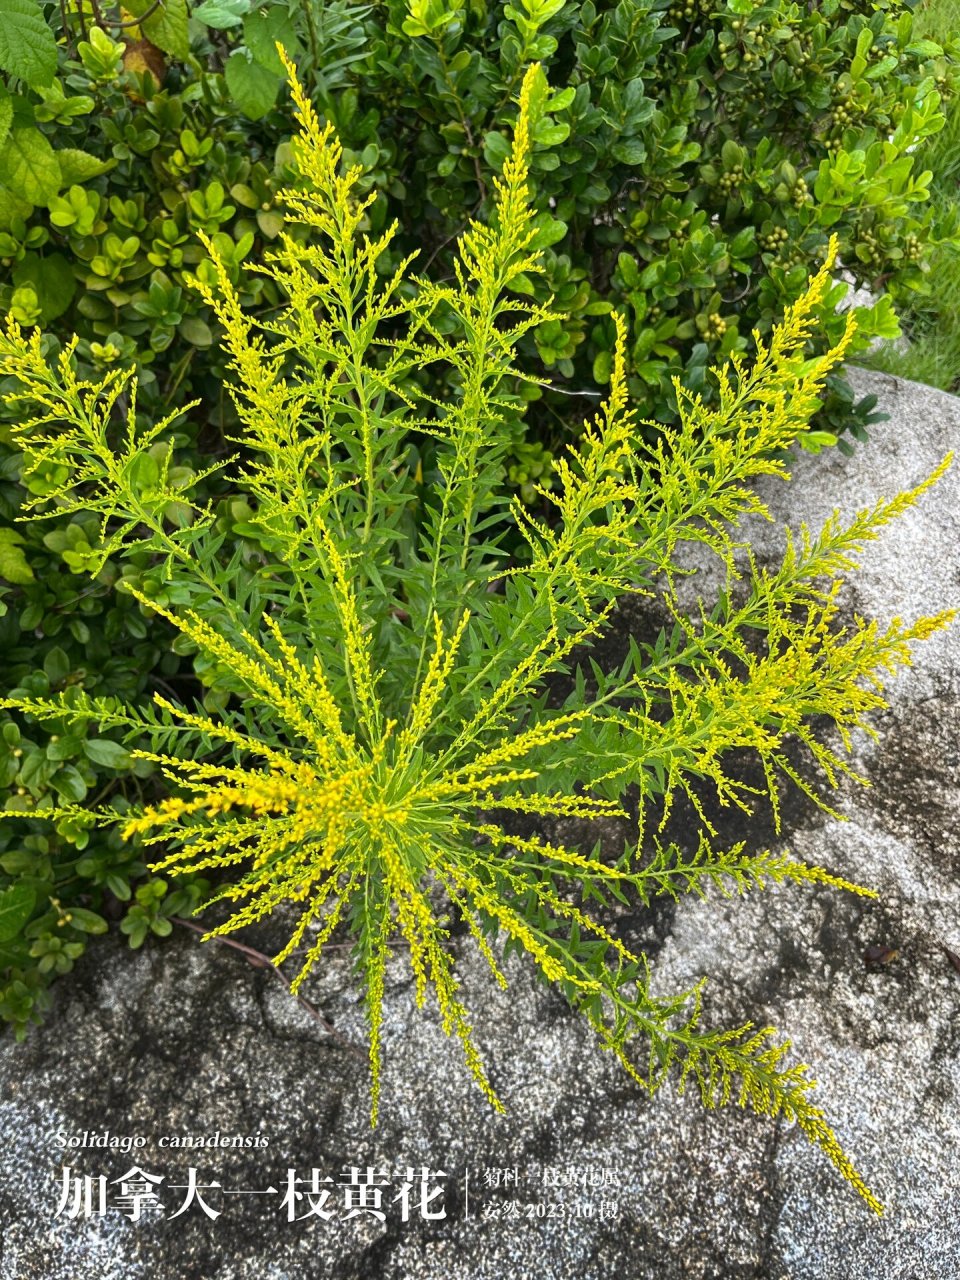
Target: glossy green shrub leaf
point(56, 665)
point(69, 784)
point(196, 331)
point(107, 753)
point(16, 907)
point(51, 278)
point(87, 921)
point(13, 563)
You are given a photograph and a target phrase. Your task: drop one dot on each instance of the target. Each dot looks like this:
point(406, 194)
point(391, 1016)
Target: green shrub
point(120, 176)
point(931, 320)
point(390, 719)
point(691, 161)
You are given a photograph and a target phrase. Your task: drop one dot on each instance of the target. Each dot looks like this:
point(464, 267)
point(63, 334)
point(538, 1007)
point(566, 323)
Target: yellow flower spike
point(434, 683)
point(312, 685)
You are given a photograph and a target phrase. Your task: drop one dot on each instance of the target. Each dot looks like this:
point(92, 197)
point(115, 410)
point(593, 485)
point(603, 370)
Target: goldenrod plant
point(393, 716)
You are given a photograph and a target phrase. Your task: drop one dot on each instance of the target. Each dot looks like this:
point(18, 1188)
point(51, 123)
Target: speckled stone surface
point(191, 1039)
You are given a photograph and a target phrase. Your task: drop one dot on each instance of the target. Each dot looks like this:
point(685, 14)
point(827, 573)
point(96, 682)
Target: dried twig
point(262, 961)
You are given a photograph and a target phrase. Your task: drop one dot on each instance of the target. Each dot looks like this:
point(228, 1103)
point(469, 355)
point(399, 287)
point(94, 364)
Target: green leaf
point(551, 135)
point(881, 68)
point(19, 861)
point(262, 30)
point(29, 165)
point(496, 148)
point(731, 154)
point(270, 222)
point(87, 921)
point(109, 754)
point(28, 49)
point(602, 366)
point(52, 280)
point(253, 88)
point(222, 14)
point(12, 207)
point(6, 112)
point(13, 956)
point(56, 665)
point(196, 331)
point(632, 151)
point(166, 27)
point(16, 905)
point(548, 231)
point(119, 886)
point(68, 782)
point(78, 166)
point(136, 930)
point(13, 563)
point(925, 49)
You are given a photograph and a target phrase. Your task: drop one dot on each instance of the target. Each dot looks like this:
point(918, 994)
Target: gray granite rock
point(191, 1039)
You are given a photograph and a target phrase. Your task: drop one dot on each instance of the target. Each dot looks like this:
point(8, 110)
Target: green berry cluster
point(755, 45)
point(714, 327)
point(731, 180)
point(869, 249)
point(845, 113)
point(688, 11)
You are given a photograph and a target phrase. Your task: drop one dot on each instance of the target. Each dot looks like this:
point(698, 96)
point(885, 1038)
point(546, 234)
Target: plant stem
point(262, 961)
